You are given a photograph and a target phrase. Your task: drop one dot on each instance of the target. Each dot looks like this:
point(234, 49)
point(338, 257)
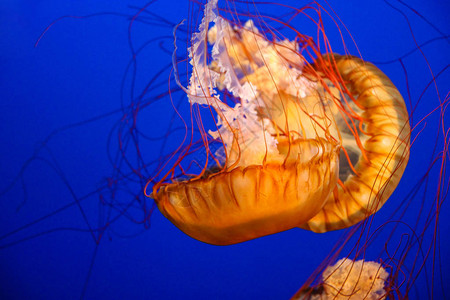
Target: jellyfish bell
point(384, 150)
point(318, 145)
point(349, 279)
point(248, 202)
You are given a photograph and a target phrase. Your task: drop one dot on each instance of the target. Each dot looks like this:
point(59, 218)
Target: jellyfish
point(319, 145)
point(350, 280)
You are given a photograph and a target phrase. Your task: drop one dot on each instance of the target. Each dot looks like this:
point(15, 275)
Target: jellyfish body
point(348, 280)
point(248, 202)
point(318, 145)
point(386, 148)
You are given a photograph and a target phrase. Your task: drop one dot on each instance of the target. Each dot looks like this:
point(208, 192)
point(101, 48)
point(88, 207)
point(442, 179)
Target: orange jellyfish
point(310, 139)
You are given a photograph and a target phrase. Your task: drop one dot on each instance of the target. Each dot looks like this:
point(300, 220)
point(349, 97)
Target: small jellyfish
point(348, 279)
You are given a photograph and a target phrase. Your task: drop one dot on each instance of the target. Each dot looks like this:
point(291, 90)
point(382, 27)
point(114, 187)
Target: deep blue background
point(75, 74)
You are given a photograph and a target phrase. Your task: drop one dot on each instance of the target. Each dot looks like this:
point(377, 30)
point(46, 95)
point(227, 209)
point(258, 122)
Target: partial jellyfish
point(350, 280)
point(309, 137)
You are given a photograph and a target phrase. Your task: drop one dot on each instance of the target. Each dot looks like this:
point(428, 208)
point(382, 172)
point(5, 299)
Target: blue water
point(71, 87)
